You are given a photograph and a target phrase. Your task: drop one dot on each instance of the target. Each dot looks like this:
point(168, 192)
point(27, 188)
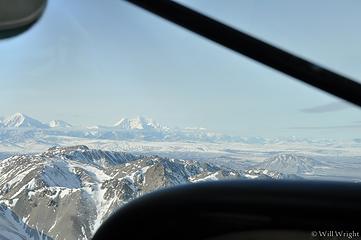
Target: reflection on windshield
point(99, 109)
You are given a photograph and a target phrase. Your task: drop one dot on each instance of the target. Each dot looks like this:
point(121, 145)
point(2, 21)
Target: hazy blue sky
point(92, 62)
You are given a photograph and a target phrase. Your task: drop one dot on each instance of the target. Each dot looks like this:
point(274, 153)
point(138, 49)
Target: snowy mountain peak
point(14, 120)
point(59, 124)
point(18, 120)
point(82, 153)
point(140, 123)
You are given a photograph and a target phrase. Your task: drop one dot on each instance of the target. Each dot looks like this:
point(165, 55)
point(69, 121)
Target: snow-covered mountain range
point(19, 128)
point(20, 120)
point(138, 128)
point(66, 193)
point(52, 186)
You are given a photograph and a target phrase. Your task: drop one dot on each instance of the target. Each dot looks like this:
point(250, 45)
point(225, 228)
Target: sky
point(93, 62)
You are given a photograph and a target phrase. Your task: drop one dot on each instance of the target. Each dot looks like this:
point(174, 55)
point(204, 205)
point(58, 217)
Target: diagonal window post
point(256, 49)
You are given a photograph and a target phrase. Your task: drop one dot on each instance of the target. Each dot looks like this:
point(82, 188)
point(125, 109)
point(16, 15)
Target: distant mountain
point(139, 123)
point(19, 129)
point(59, 124)
point(19, 120)
point(68, 192)
point(291, 164)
